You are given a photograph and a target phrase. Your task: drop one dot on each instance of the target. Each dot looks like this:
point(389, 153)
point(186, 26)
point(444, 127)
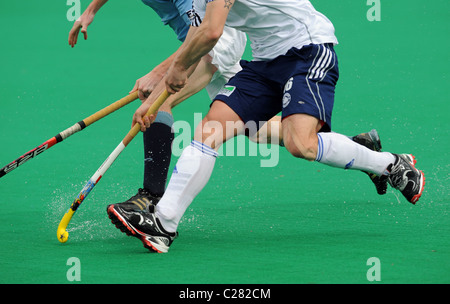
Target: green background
point(298, 222)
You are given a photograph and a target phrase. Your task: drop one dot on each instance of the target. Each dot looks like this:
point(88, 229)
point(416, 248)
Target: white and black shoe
point(142, 224)
point(141, 201)
point(404, 177)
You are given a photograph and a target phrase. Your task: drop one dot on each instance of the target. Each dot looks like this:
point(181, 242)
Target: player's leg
point(235, 106)
point(337, 150)
point(307, 106)
point(157, 229)
point(159, 137)
point(196, 163)
point(193, 169)
point(269, 133)
point(243, 100)
point(212, 73)
point(302, 139)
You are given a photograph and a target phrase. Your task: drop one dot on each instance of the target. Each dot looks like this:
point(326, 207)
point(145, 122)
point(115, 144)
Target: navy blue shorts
point(302, 81)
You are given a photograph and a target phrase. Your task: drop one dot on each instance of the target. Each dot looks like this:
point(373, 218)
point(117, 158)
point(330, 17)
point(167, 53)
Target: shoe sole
point(118, 222)
point(416, 197)
point(412, 160)
point(129, 230)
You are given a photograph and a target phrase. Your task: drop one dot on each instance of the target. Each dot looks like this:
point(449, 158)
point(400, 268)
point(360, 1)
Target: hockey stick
point(62, 233)
point(68, 132)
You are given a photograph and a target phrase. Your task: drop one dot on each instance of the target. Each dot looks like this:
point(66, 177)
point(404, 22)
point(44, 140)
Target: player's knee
point(254, 137)
point(210, 132)
point(301, 148)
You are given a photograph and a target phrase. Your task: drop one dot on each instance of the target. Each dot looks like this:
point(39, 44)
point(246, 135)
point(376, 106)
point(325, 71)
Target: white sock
point(339, 151)
point(190, 175)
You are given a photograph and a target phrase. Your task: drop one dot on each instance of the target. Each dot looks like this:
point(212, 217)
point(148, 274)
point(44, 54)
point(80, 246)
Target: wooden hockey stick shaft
point(68, 132)
point(62, 233)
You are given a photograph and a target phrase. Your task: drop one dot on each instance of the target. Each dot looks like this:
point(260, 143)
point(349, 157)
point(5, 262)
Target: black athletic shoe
point(141, 201)
point(142, 224)
point(404, 177)
point(372, 141)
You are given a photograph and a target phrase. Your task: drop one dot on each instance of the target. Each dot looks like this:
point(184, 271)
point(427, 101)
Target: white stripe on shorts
point(325, 66)
point(308, 76)
point(319, 62)
point(322, 65)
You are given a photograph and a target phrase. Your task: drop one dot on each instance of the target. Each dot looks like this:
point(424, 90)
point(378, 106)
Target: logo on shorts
point(227, 90)
point(288, 84)
point(286, 99)
point(287, 96)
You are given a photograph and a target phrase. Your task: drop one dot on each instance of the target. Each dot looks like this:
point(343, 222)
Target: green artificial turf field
point(297, 222)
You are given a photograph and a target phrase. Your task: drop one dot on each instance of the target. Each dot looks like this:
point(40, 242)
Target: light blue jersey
point(173, 13)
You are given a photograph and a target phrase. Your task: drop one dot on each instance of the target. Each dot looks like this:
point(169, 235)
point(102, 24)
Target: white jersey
point(225, 55)
point(275, 26)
